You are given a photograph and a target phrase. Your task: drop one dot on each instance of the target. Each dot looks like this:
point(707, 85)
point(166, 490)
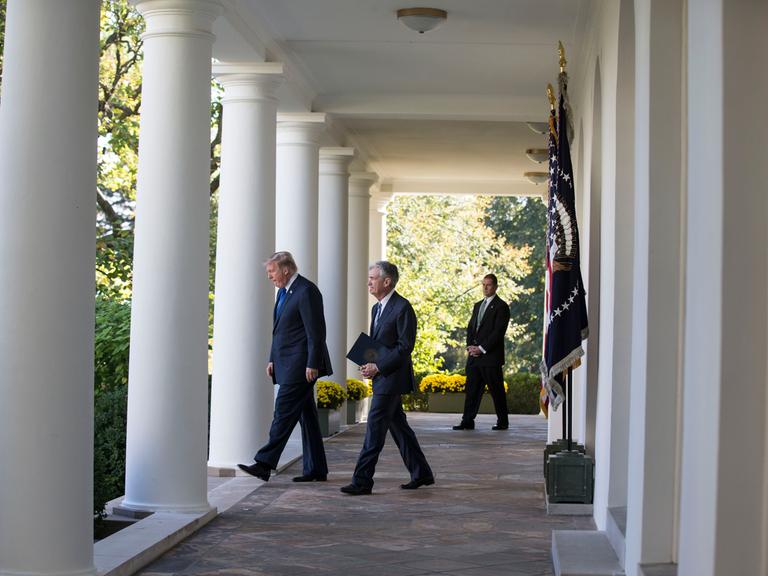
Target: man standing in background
point(485, 356)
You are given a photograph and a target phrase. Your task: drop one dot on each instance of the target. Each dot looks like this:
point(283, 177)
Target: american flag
point(565, 309)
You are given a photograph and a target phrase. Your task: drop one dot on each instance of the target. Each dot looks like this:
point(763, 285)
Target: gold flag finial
point(561, 51)
point(551, 96)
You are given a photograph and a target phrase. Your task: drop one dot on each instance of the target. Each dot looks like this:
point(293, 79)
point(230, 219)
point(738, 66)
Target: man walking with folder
point(393, 331)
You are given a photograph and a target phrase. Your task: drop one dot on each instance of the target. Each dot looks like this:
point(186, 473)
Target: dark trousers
point(386, 414)
point(477, 378)
point(295, 403)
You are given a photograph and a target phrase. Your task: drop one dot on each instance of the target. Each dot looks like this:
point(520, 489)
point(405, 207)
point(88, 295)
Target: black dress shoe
point(413, 484)
point(499, 427)
point(258, 469)
point(310, 478)
point(463, 426)
point(355, 490)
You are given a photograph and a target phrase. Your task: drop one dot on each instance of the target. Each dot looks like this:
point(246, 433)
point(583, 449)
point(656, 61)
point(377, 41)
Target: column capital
point(189, 18)
point(335, 160)
point(380, 200)
point(302, 118)
point(369, 178)
point(360, 183)
point(249, 82)
point(303, 128)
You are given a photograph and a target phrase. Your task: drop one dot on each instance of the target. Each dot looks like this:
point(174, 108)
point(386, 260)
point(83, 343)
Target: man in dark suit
point(299, 356)
point(485, 349)
point(393, 330)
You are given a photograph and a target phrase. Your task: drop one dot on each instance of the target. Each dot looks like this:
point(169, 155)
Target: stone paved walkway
point(484, 516)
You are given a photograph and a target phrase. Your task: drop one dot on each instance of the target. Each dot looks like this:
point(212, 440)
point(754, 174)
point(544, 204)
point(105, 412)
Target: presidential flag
point(552, 185)
point(565, 314)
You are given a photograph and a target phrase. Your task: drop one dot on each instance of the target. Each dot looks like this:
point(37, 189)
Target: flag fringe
point(554, 390)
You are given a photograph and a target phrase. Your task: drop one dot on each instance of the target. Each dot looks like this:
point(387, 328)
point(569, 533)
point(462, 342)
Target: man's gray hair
point(388, 270)
point(283, 260)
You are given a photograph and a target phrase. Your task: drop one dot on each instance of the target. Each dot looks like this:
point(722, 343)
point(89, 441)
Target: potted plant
point(358, 393)
point(330, 396)
point(447, 392)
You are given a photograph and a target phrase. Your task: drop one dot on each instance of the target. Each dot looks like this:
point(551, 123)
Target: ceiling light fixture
point(537, 155)
point(537, 177)
point(538, 127)
point(422, 19)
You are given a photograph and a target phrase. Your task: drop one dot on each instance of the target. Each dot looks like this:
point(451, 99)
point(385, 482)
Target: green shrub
point(357, 389)
point(112, 343)
point(111, 347)
point(330, 394)
point(523, 393)
point(110, 407)
point(416, 402)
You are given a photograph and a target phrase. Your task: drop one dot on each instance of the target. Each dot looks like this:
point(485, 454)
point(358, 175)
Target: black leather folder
point(364, 350)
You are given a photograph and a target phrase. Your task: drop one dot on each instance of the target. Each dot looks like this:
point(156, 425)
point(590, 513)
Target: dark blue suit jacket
point(298, 335)
point(395, 336)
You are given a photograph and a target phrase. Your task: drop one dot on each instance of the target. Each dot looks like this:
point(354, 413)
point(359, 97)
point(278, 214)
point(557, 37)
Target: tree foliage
point(443, 248)
point(522, 222)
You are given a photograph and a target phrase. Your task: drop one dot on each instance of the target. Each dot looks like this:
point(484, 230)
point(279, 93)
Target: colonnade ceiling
point(443, 111)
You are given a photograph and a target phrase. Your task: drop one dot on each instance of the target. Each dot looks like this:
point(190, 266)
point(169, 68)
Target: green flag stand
point(568, 470)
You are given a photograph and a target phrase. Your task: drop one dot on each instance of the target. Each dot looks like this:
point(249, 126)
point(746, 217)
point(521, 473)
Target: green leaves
point(120, 68)
point(112, 344)
point(523, 222)
point(443, 248)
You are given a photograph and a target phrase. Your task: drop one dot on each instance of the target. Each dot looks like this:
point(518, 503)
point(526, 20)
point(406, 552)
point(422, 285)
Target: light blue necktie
point(378, 315)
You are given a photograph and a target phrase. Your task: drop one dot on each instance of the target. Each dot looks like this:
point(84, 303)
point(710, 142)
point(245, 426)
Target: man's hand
point(270, 369)
point(474, 351)
point(369, 370)
point(311, 374)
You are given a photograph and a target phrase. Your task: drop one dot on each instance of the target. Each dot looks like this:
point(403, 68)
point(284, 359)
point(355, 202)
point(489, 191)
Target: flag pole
point(569, 376)
point(551, 96)
point(568, 469)
point(561, 53)
point(570, 406)
point(565, 419)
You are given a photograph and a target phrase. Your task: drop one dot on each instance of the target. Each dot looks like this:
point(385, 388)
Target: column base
point(223, 471)
point(142, 508)
point(130, 513)
point(88, 572)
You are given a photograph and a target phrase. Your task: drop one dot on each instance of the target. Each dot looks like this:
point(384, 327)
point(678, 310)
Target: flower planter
point(357, 410)
point(453, 403)
point(330, 421)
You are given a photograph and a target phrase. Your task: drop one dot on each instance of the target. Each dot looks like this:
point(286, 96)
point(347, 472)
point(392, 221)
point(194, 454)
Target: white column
point(168, 391)
point(332, 253)
point(298, 145)
point(658, 285)
point(377, 246)
point(47, 247)
point(723, 482)
point(242, 394)
point(357, 270)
